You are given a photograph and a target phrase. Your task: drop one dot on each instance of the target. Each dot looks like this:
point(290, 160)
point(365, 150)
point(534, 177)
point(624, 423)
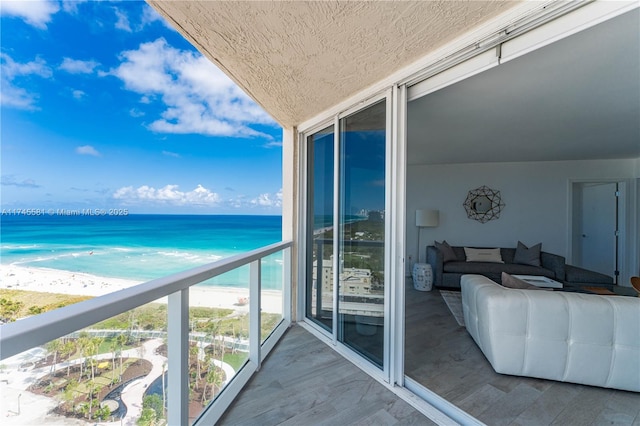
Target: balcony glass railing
point(171, 347)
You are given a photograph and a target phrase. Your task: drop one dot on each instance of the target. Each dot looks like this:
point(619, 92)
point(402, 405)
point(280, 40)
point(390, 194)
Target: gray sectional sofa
point(580, 277)
point(448, 274)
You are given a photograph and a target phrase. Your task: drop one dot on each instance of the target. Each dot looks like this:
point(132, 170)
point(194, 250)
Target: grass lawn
point(236, 360)
point(26, 303)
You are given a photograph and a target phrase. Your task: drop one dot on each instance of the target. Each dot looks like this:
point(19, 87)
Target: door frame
point(381, 374)
point(621, 254)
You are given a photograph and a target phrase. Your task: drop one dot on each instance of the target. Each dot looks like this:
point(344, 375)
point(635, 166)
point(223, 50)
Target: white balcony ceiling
point(297, 59)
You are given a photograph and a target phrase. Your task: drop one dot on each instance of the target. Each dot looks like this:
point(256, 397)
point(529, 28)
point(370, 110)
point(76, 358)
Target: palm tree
point(147, 417)
point(85, 409)
point(122, 339)
point(68, 348)
point(208, 360)
point(193, 353)
point(93, 388)
point(214, 374)
point(113, 347)
point(70, 393)
point(90, 351)
point(54, 347)
point(82, 341)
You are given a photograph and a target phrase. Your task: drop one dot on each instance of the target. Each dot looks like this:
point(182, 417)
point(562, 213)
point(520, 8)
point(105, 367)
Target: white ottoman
point(422, 277)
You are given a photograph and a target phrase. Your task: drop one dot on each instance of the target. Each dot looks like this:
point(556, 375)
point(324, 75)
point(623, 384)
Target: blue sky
point(103, 105)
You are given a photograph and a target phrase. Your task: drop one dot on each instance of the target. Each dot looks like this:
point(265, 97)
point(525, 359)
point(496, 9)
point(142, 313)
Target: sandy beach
point(66, 282)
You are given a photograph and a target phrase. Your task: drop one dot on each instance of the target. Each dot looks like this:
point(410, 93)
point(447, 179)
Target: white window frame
point(383, 374)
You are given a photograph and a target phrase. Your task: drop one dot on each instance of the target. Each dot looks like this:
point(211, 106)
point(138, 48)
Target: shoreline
point(46, 280)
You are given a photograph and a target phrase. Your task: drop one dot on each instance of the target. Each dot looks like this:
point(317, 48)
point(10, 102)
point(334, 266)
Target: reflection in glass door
point(319, 291)
point(353, 219)
point(361, 232)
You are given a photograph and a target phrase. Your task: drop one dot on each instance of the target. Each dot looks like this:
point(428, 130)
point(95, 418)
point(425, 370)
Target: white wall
point(536, 197)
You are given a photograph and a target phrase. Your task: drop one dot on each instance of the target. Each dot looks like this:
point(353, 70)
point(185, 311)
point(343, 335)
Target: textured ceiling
point(298, 58)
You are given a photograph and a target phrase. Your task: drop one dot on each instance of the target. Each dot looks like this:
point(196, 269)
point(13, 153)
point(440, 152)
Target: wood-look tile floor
point(442, 356)
point(305, 382)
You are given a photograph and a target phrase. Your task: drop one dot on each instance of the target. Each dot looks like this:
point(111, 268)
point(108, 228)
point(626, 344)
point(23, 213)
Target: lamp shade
point(427, 218)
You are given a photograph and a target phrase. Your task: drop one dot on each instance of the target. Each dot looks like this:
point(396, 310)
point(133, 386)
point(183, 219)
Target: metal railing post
point(178, 354)
point(286, 284)
point(255, 338)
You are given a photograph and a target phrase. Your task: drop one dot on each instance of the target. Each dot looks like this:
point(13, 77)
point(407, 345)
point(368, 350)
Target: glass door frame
point(389, 220)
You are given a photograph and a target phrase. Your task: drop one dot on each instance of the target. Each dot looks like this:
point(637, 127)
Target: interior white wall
point(536, 196)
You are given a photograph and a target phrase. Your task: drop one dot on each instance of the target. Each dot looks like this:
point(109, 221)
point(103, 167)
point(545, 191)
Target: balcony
point(303, 380)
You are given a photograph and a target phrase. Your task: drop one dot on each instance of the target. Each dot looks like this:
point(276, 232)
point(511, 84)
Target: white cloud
point(34, 12)
point(123, 21)
point(134, 23)
point(12, 69)
point(87, 150)
point(170, 194)
point(268, 200)
point(149, 16)
point(134, 112)
point(11, 94)
point(10, 180)
point(74, 66)
point(198, 97)
point(71, 7)
point(273, 144)
point(171, 154)
point(78, 94)
point(17, 97)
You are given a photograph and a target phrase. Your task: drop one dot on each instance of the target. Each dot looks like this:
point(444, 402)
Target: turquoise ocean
point(138, 247)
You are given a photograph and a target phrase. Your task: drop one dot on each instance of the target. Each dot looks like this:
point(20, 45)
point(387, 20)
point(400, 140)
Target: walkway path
point(133, 393)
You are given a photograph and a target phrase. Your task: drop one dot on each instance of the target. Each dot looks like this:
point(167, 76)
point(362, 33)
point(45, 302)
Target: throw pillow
point(447, 252)
point(512, 282)
point(491, 255)
point(527, 255)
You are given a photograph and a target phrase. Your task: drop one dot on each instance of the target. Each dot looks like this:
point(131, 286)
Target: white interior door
point(598, 227)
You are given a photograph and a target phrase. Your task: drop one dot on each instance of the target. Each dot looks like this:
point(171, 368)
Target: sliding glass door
point(346, 223)
point(361, 235)
point(320, 221)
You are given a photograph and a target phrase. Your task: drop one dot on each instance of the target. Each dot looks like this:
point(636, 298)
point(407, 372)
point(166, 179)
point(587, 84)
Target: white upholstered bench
point(564, 336)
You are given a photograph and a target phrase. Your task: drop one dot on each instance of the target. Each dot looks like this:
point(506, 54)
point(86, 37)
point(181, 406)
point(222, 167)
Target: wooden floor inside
point(442, 356)
point(305, 382)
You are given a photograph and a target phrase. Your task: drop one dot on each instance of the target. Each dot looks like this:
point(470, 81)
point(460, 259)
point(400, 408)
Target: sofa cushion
point(495, 269)
point(510, 281)
point(527, 255)
point(448, 254)
point(580, 275)
point(491, 255)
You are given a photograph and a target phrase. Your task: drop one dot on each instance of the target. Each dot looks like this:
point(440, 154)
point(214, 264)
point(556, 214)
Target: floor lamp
point(426, 219)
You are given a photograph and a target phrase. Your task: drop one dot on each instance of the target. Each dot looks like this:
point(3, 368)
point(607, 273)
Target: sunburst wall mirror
point(483, 204)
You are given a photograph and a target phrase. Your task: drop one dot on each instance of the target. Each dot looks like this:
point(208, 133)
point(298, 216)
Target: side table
point(422, 277)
